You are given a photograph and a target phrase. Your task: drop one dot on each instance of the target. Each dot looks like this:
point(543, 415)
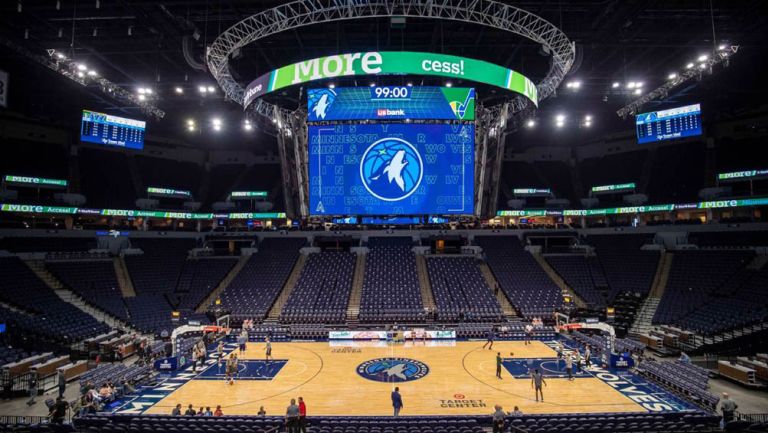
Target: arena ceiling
point(160, 44)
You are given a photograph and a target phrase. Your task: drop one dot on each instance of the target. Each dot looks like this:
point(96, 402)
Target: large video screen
point(100, 128)
point(391, 103)
point(391, 169)
point(668, 124)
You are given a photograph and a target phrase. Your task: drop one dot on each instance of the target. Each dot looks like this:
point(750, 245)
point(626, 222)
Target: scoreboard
point(108, 130)
point(391, 103)
point(668, 124)
point(391, 169)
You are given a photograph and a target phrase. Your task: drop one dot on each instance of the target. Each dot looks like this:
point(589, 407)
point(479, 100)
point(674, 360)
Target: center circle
point(392, 370)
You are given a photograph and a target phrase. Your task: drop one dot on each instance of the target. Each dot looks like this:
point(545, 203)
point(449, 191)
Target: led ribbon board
point(532, 191)
point(168, 192)
point(36, 182)
point(607, 189)
point(247, 195)
point(392, 63)
point(390, 103)
point(736, 176)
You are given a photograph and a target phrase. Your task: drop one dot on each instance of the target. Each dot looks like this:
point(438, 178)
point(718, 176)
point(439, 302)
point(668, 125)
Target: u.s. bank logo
point(320, 101)
point(391, 169)
point(392, 369)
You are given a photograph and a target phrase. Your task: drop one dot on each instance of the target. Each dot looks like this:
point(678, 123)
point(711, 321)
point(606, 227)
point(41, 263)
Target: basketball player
point(231, 368)
point(587, 355)
point(569, 366)
point(498, 365)
point(537, 380)
point(528, 333)
point(220, 353)
point(490, 339)
point(242, 340)
point(268, 351)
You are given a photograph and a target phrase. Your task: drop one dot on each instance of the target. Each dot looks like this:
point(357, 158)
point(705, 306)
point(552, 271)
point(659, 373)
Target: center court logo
point(393, 369)
point(391, 169)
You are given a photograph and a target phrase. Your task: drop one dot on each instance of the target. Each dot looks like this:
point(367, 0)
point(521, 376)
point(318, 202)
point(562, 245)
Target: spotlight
point(142, 97)
point(148, 90)
point(672, 76)
point(141, 90)
point(202, 89)
point(631, 85)
point(331, 86)
point(80, 74)
point(560, 118)
point(81, 67)
point(587, 124)
point(191, 128)
point(530, 123)
point(274, 120)
point(615, 84)
point(703, 58)
point(92, 73)
point(638, 91)
point(247, 127)
point(560, 124)
point(639, 84)
point(190, 122)
point(60, 56)
point(211, 89)
point(689, 66)
point(588, 118)
point(573, 85)
point(448, 84)
point(722, 47)
point(216, 127)
point(216, 121)
point(702, 65)
point(179, 90)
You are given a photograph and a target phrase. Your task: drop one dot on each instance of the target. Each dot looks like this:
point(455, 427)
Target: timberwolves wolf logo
point(320, 100)
point(392, 369)
point(391, 169)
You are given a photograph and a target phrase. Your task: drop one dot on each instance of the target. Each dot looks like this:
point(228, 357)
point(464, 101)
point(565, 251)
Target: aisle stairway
point(427, 298)
point(490, 279)
point(353, 308)
point(123, 278)
point(644, 317)
point(66, 295)
point(223, 284)
point(558, 280)
point(290, 284)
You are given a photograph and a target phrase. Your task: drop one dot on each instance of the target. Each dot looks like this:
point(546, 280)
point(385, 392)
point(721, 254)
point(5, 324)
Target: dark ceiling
point(140, 43)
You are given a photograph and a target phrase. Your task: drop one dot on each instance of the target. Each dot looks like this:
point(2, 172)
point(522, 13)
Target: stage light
point(722, 47)
point(274, 120)
point(560, 124)
point(703, 58)
point(190, 122)
point(448, 84)
point(81, 67)
point(689, 66)
point(148, 90)
point(80, 74)
point(560, 118)
point(60, 56)
point(92, 73)
point(615, 84)
point(142, 97)
point(588, 118)
point(216, 121)
point(702, 65)
point(530, 123)
point(639, 84)
point(672, 76)
point(631, 85)
point(202, 89)
point(211, 89)
point(141, 91)
point(638, 91)
point(191, 128)
point(331, 86)
point(179, 90)
point(217, 128)
point(575, 85)
point(247, 127)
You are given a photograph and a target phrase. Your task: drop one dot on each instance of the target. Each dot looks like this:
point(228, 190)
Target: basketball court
point(435, 378)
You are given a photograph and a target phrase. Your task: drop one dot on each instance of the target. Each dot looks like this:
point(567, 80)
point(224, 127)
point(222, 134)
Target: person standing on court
point(569, 366)
point(397, 401)
point(292, 417)
point(587, 355)
point(302, 415)
point(528, 333)
point(62, 380)
point(268, 350)
point(498, 419)
point(537, 380)
point(498, 365)
point(727, 407)
point(490, 339)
